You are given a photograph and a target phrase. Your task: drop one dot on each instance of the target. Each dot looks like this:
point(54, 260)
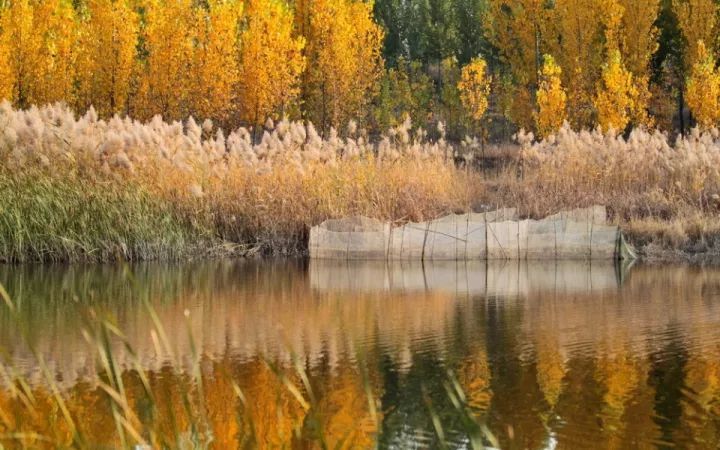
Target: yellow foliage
point(612, 19)
point(55, 25)
point(272, 61)
point(107, 55)
point(167, 37)
point(7, 76)
point(640, 35)
point(576, 26)
point(214, 72)
point(516, 28)
point(551, 99)
point(630, 29)
point(697, 20)
point(615, 100)
point(39, 41)
point(474, 87)
point(344, 47)
point(703, 89)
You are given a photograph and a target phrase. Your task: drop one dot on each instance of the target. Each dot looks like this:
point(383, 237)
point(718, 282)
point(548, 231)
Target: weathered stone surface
point(497, 235)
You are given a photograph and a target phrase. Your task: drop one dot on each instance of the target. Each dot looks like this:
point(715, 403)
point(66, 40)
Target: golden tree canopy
point(344, 51)
point(215, 72)
point(615, 100)
point(38, 42)
point(703, 88)
point(168, 40)
point(577, 42)
point(697, 20)
point(7, 75)
point(551, 99)
point(271, 61)
point(517, 28)
point(107, 58)
point(474, 87)
point(630, 30)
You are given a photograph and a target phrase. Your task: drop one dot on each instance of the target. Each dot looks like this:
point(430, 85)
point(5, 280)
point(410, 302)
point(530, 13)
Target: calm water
point(548, 355)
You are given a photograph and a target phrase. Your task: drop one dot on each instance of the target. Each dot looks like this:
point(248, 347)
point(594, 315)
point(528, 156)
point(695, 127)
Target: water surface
point(547, 355)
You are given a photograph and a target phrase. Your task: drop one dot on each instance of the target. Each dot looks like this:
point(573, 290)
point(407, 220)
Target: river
point(354, 354)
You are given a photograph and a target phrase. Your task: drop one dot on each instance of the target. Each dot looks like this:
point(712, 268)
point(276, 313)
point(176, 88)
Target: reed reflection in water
point(565, 355)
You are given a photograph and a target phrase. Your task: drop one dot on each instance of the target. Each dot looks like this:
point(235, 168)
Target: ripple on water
point(552, 355)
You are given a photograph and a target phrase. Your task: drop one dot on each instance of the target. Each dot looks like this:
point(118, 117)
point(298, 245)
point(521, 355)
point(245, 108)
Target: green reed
point(145, 420)
point(49, 218)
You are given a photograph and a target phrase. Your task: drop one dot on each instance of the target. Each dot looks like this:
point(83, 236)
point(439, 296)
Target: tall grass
point(67, 218)
point(83, 188)
point(661, 191)
point(153, 189)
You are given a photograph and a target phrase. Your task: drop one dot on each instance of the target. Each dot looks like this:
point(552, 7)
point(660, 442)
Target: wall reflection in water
point(568, 354)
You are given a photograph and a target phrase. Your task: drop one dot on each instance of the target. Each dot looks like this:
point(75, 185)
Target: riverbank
point(83, 189)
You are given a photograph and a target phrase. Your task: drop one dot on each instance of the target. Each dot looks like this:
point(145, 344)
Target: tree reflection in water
point(353, 355)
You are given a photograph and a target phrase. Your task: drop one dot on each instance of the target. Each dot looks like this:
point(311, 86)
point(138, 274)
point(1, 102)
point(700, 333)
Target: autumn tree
point(638, 47)
point(271, 61)
point(576, 40)
point(615, 100)
point(618, 99)
point(167, 38)
point(107, 55)
point(343, 58)
point(56, 29)
point(703, 88)
point(630, 30)
point(474, 87)
point(697, 20)
point(517, 29)
point(214, 72)
point(7, 76)
point(450, 108)
point(551, 99)
point(39, 39)
point(19, 48)
point(639, 36)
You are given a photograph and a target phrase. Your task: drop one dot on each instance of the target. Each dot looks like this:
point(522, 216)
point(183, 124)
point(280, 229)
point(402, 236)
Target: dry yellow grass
point(145, 182)
point(661, 192)
point(266, 192)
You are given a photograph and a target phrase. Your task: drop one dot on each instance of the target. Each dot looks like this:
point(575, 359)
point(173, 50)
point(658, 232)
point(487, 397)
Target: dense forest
point(160, 128)
point(486, 67)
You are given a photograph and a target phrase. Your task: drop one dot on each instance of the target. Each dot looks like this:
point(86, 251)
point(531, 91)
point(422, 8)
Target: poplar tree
point(214, 73)
point(107, 56)
point(577, 43)
point(344, 60)
point(474, 87)
point(167, 36)
point(615, 100)
point(697, 20)
point(271, 62)
point(551, 99)
point(618, 97)
point(39, 41)
point(7, 74)
point(703, 88)
point(517, 28)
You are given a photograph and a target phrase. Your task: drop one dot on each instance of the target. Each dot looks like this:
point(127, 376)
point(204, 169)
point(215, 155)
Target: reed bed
point(81, 188)
point(664, 192)
point(160, 189)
